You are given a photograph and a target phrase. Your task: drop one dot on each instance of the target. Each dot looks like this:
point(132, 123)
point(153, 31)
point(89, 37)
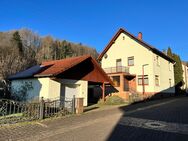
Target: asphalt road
point(159, 120)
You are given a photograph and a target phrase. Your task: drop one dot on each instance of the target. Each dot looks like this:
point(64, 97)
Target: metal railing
point(15, 111)
point(117, 69)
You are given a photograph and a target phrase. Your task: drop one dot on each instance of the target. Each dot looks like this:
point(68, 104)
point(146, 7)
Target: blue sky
point(93, 22)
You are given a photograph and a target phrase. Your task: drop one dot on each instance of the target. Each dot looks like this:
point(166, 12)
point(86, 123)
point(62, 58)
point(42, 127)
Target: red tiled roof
point(59, 66)
point(121, 30)
point(56, 67)
point(77, 68)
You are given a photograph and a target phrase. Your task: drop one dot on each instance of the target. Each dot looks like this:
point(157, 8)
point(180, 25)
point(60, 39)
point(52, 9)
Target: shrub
point(112, 100)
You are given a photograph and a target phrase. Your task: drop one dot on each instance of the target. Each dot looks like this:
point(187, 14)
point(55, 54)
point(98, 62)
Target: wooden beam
point(103, 91)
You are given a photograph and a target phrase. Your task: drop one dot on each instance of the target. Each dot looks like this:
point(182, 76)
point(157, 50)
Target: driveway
point(163, 120)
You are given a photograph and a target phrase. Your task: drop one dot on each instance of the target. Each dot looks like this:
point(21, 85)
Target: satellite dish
point(105, 56)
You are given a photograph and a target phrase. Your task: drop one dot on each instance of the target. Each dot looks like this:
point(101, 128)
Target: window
point(146, 80)
point(170, 82)
point(158, 61)
point(156, 80)
point(116, 81)
point(118, 62)
point(131, 61)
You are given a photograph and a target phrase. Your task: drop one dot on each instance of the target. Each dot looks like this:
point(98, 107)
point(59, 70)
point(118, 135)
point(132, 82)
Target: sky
point(163, 23)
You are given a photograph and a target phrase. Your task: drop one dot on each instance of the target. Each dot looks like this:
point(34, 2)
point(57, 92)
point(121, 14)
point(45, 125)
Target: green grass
point(112, 100)
point(12, 115)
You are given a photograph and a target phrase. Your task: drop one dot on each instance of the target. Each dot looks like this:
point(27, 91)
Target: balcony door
point(118, 65)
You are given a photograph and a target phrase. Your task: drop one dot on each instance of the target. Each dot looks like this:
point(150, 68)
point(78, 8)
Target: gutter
point(43, 75)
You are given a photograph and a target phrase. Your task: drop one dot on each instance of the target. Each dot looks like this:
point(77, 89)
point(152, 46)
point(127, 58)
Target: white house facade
point(129, 61)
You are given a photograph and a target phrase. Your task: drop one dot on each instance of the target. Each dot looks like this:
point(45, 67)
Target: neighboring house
point(136, 67)
point(60, 78)
point(185, 76)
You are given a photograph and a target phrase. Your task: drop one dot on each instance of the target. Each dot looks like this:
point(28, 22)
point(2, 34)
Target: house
point(136, 67)
point(185, 76)
point(60, 78)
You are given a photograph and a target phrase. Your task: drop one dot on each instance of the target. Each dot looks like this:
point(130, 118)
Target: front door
point(126, 84)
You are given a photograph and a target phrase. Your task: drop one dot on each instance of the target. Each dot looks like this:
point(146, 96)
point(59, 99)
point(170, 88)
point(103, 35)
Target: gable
point(124, 47)
point(141, 42)
point(87, 70)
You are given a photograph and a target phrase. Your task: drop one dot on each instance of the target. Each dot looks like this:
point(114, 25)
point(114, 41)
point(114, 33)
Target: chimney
point(140, 35)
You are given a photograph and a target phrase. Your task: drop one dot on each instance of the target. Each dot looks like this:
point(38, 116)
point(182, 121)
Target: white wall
point(83, 88)
point(49, 89)
point(185, 76)
point(39, 87)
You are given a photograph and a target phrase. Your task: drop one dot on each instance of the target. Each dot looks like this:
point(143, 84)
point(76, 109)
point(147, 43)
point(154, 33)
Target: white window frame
point(131, 58)
point(146, 77)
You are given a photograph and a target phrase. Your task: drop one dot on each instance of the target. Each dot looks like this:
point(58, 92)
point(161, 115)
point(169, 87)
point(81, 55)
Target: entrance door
point(126, 85)
point(118, 65)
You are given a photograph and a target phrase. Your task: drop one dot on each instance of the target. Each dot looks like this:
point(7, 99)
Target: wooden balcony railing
point(118, 69)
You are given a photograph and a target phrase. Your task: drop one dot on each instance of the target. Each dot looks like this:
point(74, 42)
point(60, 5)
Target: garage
point(64, 78)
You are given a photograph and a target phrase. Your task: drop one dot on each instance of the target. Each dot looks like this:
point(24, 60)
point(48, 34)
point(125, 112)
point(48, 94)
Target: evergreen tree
point(66, 50)
point(16, 39)
point(169, 52)
point(178, 72)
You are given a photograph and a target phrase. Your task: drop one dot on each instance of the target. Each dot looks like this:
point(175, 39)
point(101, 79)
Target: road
point(164, 120)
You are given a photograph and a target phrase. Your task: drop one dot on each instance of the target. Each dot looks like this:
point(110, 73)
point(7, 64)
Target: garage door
point(68, 90)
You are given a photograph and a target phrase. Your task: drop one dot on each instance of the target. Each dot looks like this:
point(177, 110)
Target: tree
point(66, 50)
point(16, 40)
point(24, 48)
point(169, 52)
point(178, 72)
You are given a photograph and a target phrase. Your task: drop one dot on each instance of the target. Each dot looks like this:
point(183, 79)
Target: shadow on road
point(167, 118)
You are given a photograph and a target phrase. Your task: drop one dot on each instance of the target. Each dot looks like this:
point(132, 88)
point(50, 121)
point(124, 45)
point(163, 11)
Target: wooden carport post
point(103, 91)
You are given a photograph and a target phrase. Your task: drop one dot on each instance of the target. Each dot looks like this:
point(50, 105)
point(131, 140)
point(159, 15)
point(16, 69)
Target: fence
point(14, 111)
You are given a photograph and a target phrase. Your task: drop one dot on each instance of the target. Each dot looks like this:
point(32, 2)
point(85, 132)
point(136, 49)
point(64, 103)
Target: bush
point(112, 100)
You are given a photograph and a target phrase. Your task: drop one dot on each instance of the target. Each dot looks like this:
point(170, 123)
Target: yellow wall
point(125, 47)
point(165, 71)
point(54, 89)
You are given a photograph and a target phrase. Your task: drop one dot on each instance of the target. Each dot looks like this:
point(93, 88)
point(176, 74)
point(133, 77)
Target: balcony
point(118, 69)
